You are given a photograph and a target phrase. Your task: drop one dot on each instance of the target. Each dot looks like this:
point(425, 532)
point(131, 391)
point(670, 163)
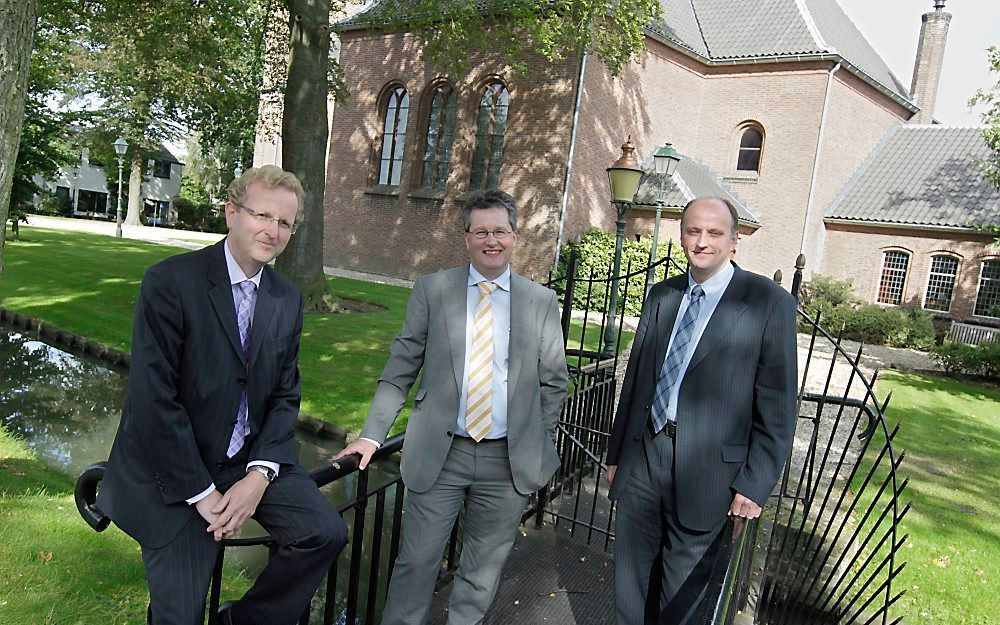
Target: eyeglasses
point(266, 219)
point(499, 234)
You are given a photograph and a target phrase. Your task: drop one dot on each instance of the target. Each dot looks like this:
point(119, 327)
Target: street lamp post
point(665, 161)
point(121, 145)
point(623, 176)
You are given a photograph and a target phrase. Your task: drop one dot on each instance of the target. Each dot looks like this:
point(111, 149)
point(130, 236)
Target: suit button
point(638, 437)
point(241, 381)
point(450, 433)
point(647, 407)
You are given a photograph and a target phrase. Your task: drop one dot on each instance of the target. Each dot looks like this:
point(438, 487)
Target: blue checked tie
point(242, 428)
point(675, 358)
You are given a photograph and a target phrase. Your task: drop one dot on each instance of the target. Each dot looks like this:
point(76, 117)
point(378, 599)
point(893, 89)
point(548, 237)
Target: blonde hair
point(271, 176)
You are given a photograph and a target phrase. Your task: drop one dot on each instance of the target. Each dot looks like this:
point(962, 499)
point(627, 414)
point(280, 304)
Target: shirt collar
point(502, 281)
point(717, 283)
point(236, 274)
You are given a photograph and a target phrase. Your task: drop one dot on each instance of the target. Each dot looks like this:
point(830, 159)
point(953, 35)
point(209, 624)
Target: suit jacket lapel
point(730, 307)
point(453, 302)
point(263, 312)
point(666, 316)
point(221, 296)
point(520, 307)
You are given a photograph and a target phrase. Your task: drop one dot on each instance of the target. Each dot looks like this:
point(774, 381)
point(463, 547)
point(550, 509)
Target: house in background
point(82, 190)
point(782, 106)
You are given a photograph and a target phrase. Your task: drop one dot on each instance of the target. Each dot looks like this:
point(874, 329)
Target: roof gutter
point(810, 199)
point(900, 226)
point(569, 161)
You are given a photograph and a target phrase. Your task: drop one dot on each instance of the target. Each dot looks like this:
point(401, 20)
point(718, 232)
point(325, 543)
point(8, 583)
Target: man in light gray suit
point(482, 430)
point(705, 420)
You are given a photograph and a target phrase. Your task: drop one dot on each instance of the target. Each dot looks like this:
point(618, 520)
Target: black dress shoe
point(225, 614)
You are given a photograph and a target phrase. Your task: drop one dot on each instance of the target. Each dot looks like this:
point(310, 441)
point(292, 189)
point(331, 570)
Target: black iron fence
point(824, 551)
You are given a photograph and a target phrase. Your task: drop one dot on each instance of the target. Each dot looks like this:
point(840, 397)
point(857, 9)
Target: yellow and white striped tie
point(479, 402)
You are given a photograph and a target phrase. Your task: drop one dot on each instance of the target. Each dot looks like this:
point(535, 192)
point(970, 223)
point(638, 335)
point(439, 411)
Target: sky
point(893, 26)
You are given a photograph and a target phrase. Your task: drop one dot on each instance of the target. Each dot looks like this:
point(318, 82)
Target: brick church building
point(780, 105)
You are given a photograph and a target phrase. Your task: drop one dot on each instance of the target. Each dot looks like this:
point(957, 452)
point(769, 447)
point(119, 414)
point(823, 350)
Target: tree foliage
point(990, 98)
point(610, 30)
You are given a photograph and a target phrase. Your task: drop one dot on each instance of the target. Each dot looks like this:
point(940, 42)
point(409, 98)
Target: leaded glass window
point(393, 137)
point(437, 148)
point(491, 126)
point(941, 283)
point(894, 265)
point(988, 293)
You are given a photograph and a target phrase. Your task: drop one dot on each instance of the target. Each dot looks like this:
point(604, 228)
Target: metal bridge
point(825, 550)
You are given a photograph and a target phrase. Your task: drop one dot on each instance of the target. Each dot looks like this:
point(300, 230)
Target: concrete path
point(189, 239)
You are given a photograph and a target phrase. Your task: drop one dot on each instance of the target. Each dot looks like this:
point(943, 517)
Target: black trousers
point(661, 567)
point(309, 533)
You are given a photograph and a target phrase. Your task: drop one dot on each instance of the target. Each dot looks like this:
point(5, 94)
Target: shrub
point(823, 290)
point(595, 255)
point(959, 358)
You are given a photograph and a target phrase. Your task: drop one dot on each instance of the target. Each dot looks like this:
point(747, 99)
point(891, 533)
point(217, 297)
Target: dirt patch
point(357, 306)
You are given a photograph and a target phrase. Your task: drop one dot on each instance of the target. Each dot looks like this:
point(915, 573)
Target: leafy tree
point(449, 29)
point(43, 133)
point(17, 30)
point(991, 133)
point(156, 68)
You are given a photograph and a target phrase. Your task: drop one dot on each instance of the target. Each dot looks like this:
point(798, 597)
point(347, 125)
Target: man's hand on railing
point(610, 475)
point(362, 447)
point(744, 507)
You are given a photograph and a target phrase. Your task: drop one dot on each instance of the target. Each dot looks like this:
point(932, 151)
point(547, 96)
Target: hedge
point(959, 358)
point(595, 255)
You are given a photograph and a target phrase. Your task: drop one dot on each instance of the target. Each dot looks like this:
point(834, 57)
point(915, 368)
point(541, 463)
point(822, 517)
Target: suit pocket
point(734, 453)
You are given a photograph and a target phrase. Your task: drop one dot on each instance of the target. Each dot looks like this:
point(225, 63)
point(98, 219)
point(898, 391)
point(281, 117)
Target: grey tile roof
point(923, 175)
point(727, 30)
point(691, 179)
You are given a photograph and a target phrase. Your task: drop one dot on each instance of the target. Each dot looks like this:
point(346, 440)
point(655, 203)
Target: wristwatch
point(265, 471)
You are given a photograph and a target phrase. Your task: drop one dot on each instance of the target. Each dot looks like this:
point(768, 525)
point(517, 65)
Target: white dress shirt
point(500, 299)
point(714, 287)
point(236, 276)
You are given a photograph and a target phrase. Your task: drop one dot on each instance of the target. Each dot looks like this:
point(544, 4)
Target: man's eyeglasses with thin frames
point(500, 234)
point(265, 219)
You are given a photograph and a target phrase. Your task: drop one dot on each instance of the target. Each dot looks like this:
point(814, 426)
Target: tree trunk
point(17, 32)
point(134, 216)
point(304, 138)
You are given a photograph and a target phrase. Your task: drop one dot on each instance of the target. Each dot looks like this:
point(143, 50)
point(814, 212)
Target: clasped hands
point(226, 513)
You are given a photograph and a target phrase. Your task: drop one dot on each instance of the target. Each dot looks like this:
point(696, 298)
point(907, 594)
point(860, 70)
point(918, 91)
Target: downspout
point(569, 162)
point(819, 147)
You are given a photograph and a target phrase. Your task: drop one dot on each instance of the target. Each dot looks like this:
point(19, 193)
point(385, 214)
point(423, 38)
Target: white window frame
point(979, 284)
point(881, 272)
point(927, 283)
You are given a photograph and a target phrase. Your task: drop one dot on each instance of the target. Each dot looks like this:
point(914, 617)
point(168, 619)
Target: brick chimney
point(930, 55)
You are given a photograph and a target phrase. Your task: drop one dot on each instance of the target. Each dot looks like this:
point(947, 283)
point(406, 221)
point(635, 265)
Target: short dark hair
point(490, 198)
point(732, 210)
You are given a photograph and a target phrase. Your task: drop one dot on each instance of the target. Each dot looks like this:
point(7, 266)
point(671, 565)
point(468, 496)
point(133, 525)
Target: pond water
point(67, 408)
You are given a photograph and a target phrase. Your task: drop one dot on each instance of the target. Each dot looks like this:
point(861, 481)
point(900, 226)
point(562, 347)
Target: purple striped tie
point(242, 428)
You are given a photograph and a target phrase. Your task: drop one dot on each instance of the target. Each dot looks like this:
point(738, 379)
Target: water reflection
point(68, 407)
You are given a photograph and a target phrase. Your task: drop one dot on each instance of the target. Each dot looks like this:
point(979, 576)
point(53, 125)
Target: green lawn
point(54, 569)
point(950, 432)
point(87, 284)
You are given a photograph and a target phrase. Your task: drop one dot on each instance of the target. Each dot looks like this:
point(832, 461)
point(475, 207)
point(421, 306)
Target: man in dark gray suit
point(705, 420)
point(482, 430)
point(206, 440)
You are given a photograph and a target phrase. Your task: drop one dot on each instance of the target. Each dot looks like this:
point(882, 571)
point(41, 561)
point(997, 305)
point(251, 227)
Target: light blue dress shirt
point(714, 287)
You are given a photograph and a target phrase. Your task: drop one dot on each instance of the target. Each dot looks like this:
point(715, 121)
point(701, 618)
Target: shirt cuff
point(264, 463)
point(373, 442)
point(201, 495)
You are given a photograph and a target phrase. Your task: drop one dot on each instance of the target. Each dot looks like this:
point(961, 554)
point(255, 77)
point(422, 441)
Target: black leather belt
point(485, 441)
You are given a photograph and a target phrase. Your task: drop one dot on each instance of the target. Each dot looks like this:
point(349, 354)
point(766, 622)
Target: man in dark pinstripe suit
point(705, 420)
point(206, 440)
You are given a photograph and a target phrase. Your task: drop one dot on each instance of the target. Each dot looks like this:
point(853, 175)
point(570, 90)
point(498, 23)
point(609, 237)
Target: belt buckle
point(670, 429)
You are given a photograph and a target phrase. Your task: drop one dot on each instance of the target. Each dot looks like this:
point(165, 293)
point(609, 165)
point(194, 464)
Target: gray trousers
point(661, 567)
point(479, 476)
